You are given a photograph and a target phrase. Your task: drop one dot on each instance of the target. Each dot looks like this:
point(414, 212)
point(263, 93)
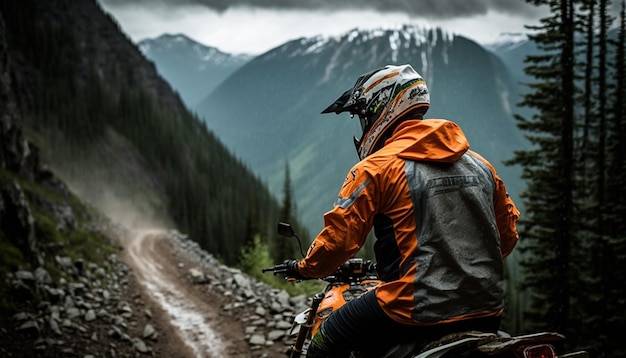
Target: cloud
point(435, 9)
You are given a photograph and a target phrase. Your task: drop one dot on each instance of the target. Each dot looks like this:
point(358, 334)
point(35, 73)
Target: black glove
point(291, 272)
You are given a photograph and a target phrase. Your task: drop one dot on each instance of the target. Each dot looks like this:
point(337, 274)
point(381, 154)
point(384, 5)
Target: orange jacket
point(443, 222)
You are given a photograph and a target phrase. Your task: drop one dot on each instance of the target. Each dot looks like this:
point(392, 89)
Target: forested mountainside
point(49, 239)
point(120, 136)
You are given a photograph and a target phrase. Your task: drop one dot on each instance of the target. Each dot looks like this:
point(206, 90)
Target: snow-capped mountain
point(193, 69)
point(268, 111)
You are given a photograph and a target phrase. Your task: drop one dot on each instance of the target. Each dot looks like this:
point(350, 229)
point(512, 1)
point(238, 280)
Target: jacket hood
point(436, 140)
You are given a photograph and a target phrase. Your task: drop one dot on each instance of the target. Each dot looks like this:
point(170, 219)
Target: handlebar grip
point(276, 269)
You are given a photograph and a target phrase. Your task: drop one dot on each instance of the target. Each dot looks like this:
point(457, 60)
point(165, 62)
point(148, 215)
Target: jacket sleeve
point(507, 214)
point(506, 218)
point(346, 226)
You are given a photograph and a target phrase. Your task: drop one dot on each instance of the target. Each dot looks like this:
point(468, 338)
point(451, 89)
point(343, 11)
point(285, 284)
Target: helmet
point(382, 99)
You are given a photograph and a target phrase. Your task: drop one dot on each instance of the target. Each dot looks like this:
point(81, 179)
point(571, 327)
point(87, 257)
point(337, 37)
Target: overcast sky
point(254, 26)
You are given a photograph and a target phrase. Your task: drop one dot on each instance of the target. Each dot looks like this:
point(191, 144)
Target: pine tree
point(547, 228)
point(573, 228)
point(614, 241)
point(283, 248)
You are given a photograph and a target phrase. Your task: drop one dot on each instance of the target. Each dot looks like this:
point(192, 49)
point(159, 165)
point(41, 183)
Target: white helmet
point(382, 99)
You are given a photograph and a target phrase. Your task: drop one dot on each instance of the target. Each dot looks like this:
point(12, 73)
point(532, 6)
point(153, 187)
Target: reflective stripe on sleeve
point(345, 203)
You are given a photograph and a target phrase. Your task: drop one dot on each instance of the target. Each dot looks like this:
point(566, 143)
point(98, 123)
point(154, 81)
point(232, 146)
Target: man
point(441, 215)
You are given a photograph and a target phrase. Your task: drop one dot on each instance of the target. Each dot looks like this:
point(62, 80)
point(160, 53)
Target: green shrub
point(256, 257)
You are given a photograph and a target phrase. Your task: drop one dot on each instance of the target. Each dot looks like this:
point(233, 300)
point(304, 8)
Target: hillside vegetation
point(120, 137)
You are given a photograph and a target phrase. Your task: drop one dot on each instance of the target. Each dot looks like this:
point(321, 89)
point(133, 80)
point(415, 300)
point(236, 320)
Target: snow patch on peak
point(508, 41)
point(401, 35)
point(316, 45)
point(398, 38)
point(181, 44)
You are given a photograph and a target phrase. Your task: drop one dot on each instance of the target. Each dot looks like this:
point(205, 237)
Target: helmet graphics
point(382, 99)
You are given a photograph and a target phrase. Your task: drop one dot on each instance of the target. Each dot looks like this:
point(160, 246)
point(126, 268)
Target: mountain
point(267, 112)
point(513, 50)
point(190, 67)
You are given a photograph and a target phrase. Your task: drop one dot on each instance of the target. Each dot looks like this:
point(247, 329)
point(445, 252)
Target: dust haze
point(120, 186)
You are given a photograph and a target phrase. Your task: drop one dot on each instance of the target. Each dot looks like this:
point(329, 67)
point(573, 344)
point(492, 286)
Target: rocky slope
point(67, 286)
point(99, 312)
point(107, 311)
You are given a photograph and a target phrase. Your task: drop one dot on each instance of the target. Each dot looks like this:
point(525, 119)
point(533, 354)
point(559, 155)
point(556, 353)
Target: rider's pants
point(362, 325)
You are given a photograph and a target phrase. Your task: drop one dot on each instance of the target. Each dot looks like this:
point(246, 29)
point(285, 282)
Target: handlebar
point(283, 269)
point(277, 269)
point(351, 270)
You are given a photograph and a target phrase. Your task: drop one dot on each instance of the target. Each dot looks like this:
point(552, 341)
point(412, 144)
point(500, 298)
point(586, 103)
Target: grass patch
point(76, 243)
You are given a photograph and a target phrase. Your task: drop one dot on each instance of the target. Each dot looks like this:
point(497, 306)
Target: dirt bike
point(358, 276)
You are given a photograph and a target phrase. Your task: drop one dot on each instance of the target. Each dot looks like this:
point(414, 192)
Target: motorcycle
point(357, 276)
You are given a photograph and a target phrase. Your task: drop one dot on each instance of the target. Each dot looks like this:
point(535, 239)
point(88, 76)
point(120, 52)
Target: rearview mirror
point(285, 229)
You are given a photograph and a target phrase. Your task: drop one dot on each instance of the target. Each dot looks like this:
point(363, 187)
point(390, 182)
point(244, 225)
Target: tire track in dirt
point(191, 316)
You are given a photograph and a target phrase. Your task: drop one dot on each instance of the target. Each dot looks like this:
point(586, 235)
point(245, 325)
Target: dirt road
point(196, 319)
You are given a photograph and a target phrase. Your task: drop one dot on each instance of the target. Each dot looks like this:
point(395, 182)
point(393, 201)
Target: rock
point(65, 263)
point(275, 335)
point(65, 217)
point(30, 327)
point(21, 316)
point(69, 302)
point(149, 331)
point(72, 312)
point(257, 340)
point(124, 309)
point(119, 320)
point(140, 346)
point(54, 294)
point(241, 281)
point(42, 277)
point(90, 315)
point(197, 276)
point(54, 326)
point(115, 332)
point(77, 289)
point(17, 222)
point(260, 311)
point(283, 325)
point(25, 276)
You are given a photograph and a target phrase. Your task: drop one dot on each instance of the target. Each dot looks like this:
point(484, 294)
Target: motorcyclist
point(442, 218)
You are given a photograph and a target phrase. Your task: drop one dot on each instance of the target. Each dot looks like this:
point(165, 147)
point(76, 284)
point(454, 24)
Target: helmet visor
point(339, 105)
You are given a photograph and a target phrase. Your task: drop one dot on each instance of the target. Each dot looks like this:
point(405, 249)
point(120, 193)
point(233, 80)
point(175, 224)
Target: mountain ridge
point(192, 68)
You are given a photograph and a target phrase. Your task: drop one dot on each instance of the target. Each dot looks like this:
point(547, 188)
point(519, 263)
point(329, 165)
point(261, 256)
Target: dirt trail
point(195, 317)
